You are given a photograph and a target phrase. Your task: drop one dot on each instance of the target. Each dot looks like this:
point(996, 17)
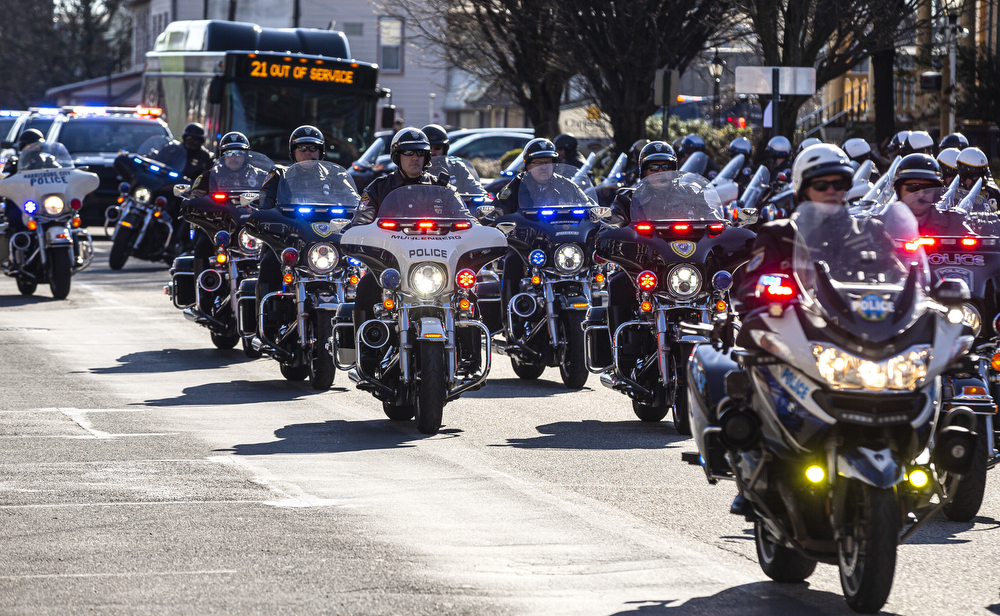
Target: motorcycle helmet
point(972, 163)
point(917, 167)
point(897, 141)
point(234, 141)
point(194, 130)
point(919, 142)
point(306, 135)
point(656, 152)
point(948, 161)
point(32, 135)
point(857, 149)
point(808, 142)
point(636, 150)
point(410, 138)
point(779, 147)
point(819, 160)
point(568, 142)
point(691, 144)
point(539, 148)
point(954, 140)
point(437, 136)
point(741, 145)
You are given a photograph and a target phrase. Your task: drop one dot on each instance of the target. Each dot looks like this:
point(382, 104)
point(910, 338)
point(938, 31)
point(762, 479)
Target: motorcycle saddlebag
point(488, 294)
point(182, 279)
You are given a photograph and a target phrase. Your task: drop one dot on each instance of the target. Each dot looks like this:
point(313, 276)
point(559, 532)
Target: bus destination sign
point(261, 66)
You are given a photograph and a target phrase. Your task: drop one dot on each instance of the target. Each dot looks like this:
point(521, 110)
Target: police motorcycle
point(426, 344)
point(554, 237)
point(680, 256)
point(48, 193)
point(826, 415)
point(209, 297)
point(464, 178)
point(604, 192)
point(314, 201)
point(143, 227)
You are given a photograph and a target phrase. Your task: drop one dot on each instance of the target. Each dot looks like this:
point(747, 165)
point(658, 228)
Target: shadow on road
point(519, 388)
point(942, 531)
point(599, 435)
point(239, 392)
point(757, 599)
point(13, 301)
point(173, 360)
point(339, 436)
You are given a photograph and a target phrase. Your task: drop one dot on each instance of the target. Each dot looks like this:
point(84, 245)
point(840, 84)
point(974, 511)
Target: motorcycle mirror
point(951, 292)
point(506, 227)
point(247, 198)
point(747, 216)
point(180, 189)
point(123, 188)
point(597, 214)
point(485, 211)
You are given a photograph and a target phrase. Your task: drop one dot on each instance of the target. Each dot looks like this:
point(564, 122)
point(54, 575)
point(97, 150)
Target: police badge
point(322, 229)
point(684, 249)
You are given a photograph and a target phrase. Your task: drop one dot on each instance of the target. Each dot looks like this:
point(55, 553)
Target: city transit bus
point(263, 82)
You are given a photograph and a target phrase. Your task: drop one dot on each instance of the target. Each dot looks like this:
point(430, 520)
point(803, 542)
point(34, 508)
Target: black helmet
point(568, 142)
point(194, 130)
point(410, 138)
point(656, 152)
point(691, 144)
point(234, 141)
point(972, 163)
point(306, 135)
point(741, 145)
point(539, 148)
point(636, 149)
point(436, 135)
point(954, 140)
point(779, 147)
point(897, 142)
point(917, 167)
point(32, 135)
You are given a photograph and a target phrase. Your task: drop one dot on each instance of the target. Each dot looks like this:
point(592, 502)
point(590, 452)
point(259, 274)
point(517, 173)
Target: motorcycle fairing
point(41, 183)
point(879, 468)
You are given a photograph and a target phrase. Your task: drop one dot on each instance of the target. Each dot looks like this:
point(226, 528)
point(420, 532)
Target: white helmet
point(806, 143)
point(858, 191)
point(856, 148)
point(948, 157)
point(972, 163)
point(919, 142)
point(818, 160)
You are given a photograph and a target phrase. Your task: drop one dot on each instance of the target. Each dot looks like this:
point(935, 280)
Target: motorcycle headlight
point(323, 258)
point(53, 205)
point(569, 258)
point(684, 282)
point(971, 318)
point(427, 279)
point(248, 242)
point(843, 370)
point(141, 194)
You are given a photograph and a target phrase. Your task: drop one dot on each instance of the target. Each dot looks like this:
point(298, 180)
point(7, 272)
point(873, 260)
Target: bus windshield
point(267, 113)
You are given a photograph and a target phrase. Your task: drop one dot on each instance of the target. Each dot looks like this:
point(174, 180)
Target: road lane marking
point(44, 576)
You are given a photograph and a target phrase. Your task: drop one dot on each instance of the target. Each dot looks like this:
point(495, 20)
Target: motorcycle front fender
point(56, 235)
point(574, 302)
point(431, 330)
point(878, 468)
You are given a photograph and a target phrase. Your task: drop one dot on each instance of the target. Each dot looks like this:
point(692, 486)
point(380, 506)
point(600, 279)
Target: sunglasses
point(917, 187)
point(307, 148)
point(824, 185)
point(412, 153)
point(653, 168)
point(233, 153)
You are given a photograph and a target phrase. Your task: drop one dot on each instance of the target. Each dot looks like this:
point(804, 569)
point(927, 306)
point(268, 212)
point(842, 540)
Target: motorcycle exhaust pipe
point(523, 305)
point(21, 240)
point(955, 449)
point(210, 280)
point(375, 334)
point(739, 430)
point(113, 213)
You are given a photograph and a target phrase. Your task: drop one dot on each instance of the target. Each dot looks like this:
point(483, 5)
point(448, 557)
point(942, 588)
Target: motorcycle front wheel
point(527, 372)
point(225, 342)
point(866, 556)
point(970, 489)
point(121, 246)
point(573, 369)
point(294, 373)
point(321, 368)
point(433, 388)
point(61, 273)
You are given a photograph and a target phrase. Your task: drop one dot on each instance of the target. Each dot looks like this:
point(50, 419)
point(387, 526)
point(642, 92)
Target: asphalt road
point(142, 471)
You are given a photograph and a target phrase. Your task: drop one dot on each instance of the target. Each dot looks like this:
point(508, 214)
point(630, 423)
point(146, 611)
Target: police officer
point(859, 150)
point(779, 153)
point(198, 158)
point(896, 144)
point(948, 161)
point(953, 140)
point(917, 142)
point(631, 173)
point(742, 145)
point(463, 175)
point(915, 176)
point(973, 165)
point(410, 150)
point(694, 143)
point(566, 150)
point(12, 212)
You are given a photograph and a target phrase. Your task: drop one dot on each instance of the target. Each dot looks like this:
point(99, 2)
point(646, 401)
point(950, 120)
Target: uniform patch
point(684, 249)
point(504, 193)
point(322, 229)
point(756, 261)
point(364, 201)
point(873, 307)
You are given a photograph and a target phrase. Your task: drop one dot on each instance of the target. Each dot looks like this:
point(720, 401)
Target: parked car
point(13, 123)
point(491, 145)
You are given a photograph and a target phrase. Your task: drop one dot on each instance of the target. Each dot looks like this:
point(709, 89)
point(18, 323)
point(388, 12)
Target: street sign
point(675, 88)
point(792, 80)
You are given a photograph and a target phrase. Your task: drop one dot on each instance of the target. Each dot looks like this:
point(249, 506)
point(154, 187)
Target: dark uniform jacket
point(944, 224)
point(198, 161)
point(557, 190)
point(375, 193)
point(247, 176)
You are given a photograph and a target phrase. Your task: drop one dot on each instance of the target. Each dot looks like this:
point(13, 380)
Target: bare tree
point(27, 60)
point(619, 44)
point(517, 47)
point(830, 35)
point(95, 37)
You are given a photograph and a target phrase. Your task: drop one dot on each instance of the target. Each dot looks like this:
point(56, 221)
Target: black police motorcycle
point(315, 200)
point(144, 227)
point(681, 256)
point(208, 297)
point(554, 236)
point(824, 415)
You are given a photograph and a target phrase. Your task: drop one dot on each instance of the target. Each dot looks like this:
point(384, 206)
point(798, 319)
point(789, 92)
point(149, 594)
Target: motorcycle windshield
point(170, 154)
point(423, 201)
point(317, 182)
point(244, 172)
point(44, 155)
point(675, 195)
point(551, 186)
point(463, 177)
point(867, 276)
